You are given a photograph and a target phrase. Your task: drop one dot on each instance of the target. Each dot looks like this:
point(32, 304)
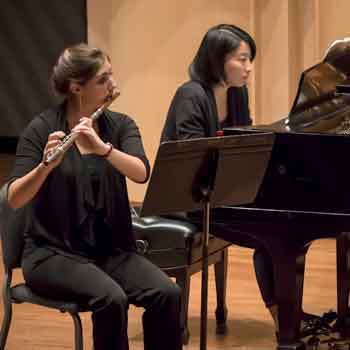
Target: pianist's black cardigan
point(193, 112)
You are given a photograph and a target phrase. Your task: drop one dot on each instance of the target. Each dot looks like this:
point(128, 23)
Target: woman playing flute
point(79, 243)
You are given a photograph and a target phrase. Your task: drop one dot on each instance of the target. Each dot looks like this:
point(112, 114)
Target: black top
point(193, 112)
point(94, 237)
point(61, 208)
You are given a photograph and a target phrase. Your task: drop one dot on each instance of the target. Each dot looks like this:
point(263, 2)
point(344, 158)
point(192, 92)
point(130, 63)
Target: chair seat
point(168, 243)
point(21, 293)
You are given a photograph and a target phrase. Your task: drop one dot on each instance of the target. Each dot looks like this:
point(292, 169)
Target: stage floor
point(249, 324)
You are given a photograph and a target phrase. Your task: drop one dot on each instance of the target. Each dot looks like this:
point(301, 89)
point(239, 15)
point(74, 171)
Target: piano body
point(305, 194)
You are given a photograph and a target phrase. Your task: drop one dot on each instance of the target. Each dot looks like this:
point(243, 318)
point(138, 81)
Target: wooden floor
point(249, 324)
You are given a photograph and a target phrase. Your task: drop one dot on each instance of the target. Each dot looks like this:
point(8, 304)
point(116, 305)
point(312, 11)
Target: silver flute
point(68, 140)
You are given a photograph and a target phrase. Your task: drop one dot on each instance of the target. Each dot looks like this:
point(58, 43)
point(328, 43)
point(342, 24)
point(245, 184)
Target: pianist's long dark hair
point(209, 61)
point(208, 64)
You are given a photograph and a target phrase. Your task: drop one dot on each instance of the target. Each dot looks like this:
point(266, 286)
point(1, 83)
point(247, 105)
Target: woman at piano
point(215, 97)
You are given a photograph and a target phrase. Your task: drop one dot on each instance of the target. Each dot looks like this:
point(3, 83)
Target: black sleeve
point(186, 118)
point(131, 143)
point(190, 122)
point(30, 148)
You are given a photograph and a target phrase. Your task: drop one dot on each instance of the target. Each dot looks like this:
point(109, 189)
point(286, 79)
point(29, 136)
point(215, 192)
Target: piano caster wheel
point(221, 328)
point(185, 336)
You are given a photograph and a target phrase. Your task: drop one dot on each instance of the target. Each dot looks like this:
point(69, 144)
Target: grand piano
point(305, 194)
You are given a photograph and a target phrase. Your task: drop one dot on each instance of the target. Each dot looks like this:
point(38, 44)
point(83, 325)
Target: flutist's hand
point(88, 140)
point(23, 189)
point(54, 140)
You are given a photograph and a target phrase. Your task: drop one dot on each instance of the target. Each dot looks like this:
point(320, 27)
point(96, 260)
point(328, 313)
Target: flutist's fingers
point(85, 124)
point(56, 136)
point(54, 140)
point(83, 121)
point(89, 137)
point(85, 127)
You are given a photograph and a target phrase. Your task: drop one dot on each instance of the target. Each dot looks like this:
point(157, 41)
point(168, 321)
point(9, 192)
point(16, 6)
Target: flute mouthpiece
point(113, 95)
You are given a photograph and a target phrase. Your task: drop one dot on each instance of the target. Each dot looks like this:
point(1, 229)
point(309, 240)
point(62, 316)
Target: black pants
point(108, 286)
point(262, 260)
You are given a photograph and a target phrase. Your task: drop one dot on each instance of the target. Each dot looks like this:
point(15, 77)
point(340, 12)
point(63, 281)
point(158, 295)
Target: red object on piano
point(220, 133)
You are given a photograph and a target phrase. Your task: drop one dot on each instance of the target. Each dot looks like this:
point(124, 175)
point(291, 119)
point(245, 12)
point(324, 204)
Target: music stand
point(206, 173)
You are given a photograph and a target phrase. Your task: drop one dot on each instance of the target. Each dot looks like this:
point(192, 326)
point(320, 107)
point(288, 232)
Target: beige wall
point(152, 42)
point(333, 21)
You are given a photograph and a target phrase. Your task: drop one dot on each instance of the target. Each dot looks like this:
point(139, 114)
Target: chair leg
point(183, 279)
point(221, 283)
point(78, 332)
point(6, 322)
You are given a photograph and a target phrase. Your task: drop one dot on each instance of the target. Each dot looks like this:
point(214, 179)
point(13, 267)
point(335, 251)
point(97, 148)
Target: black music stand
point(203, 174)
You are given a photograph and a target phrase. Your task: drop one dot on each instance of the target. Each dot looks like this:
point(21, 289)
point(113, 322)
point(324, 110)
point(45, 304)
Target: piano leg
point(343, 284)
point(289, 267)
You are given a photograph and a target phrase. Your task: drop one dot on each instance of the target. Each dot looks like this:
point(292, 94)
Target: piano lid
point(318, 105)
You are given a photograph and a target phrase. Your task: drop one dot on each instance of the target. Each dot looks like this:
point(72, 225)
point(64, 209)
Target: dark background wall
point(32, 35)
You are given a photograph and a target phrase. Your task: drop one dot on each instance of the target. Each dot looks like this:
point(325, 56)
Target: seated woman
point(79, 245)
point(216, 97)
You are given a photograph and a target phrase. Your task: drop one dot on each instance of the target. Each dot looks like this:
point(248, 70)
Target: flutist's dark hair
point(220, 41)
point(78, 63)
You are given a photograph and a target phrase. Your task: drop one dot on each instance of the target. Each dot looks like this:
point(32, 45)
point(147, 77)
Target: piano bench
point(176, 247)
